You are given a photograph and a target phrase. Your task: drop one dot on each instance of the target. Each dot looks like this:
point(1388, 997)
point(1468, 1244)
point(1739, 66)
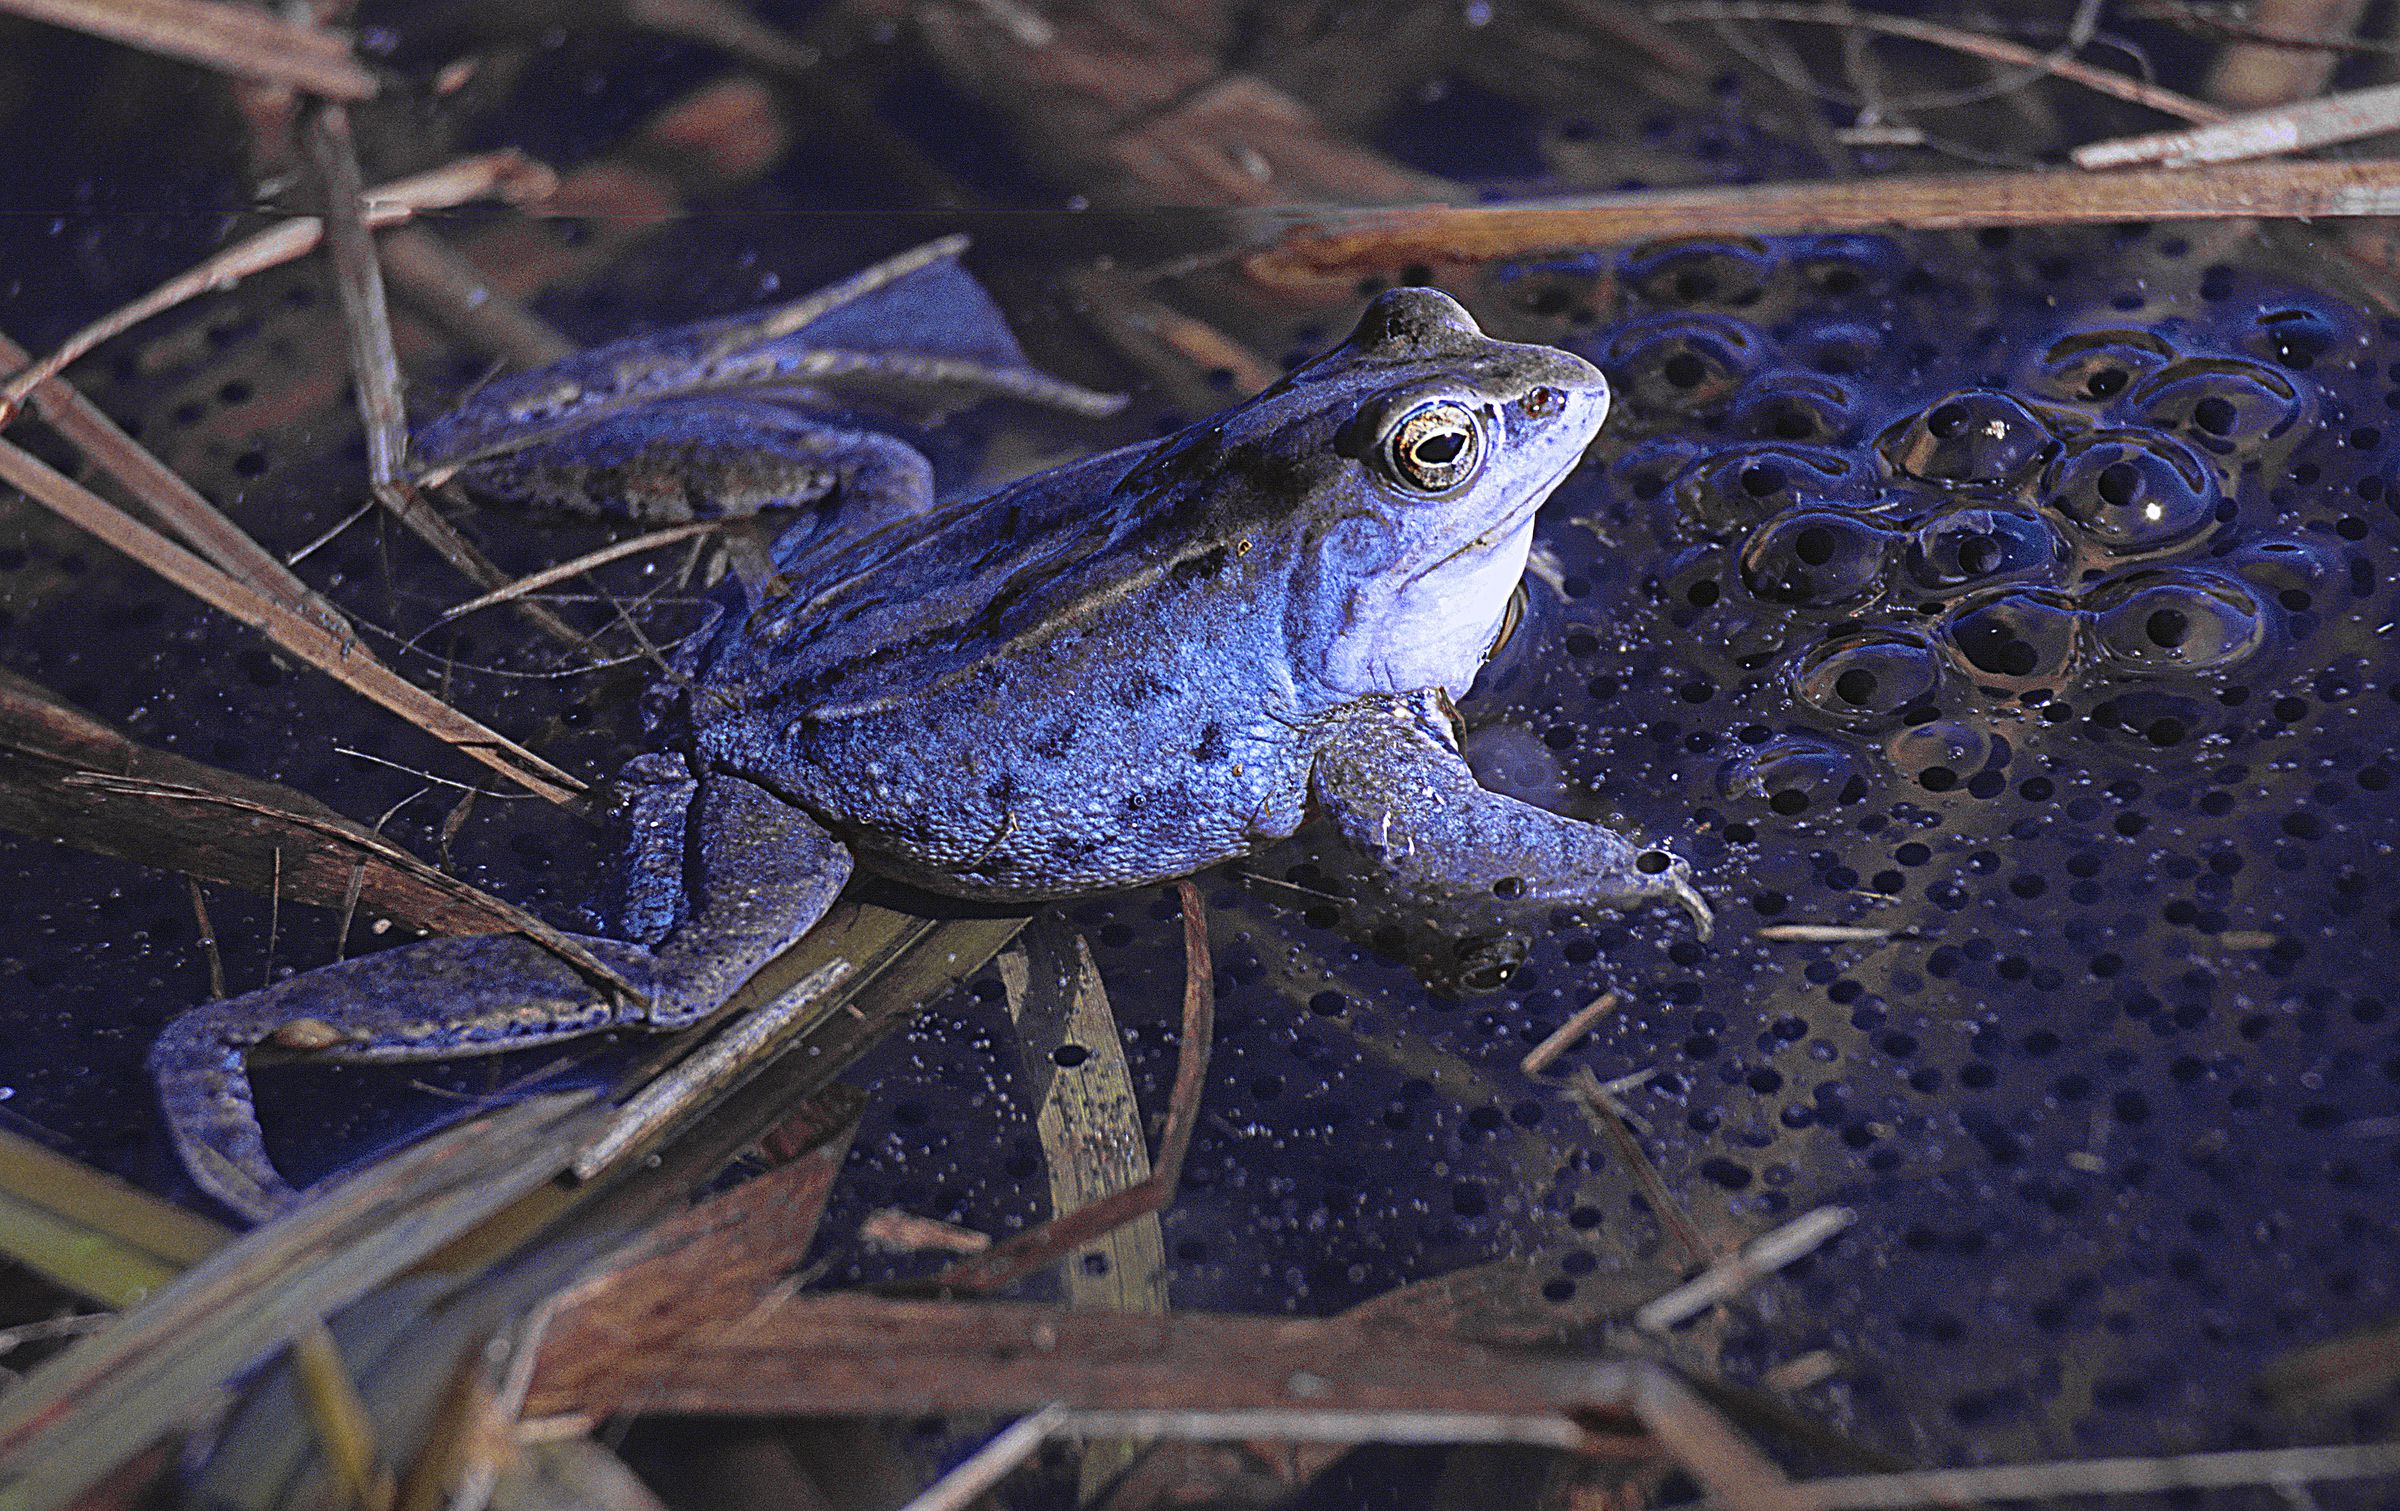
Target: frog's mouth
point(1493, 535)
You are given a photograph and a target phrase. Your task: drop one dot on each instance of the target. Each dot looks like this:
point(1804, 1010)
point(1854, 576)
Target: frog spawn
point(1987, 543)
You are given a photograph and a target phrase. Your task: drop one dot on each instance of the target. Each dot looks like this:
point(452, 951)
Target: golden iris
point(1435, 446)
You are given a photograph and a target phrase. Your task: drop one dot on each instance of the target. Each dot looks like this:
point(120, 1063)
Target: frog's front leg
point(756, 874)
point(1387, 772)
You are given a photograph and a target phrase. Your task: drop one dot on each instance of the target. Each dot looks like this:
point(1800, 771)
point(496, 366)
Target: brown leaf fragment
point(688, 1279)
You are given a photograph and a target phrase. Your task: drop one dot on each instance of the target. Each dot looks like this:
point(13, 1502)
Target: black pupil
point(1442, 449)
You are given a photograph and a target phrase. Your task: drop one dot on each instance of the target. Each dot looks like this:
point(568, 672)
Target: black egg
point(1816, 557)
point(1977, 435)
point(2017, 638)
point(1977, 544)
point(1737, 486)
point(1867, 676)
point(2099, 367)
point(1795, 406)
point(1667, 367)
point(2133, 491)
point(2222, 405)
point(1707, 273)
point(2176, 619)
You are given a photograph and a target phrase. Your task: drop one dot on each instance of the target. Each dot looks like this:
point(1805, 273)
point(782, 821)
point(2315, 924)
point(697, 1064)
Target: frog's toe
point(1675, 880)
point(1687, 896)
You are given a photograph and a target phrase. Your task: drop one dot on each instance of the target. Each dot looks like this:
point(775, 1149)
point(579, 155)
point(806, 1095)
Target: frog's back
point(1068, 685)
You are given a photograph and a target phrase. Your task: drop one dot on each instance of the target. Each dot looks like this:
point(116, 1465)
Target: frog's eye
point(1434, 447)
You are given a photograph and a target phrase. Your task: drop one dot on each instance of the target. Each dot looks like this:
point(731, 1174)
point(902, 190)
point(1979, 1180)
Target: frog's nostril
point(1544, 400)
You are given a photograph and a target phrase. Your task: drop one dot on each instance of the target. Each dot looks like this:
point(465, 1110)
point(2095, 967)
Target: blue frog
point(1110, 674)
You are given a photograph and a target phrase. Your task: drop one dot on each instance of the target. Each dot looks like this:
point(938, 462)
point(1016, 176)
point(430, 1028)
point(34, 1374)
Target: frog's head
point(1397, 476)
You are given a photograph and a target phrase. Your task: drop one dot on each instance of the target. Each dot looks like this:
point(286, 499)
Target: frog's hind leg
point(757, 872)
point(718, 457)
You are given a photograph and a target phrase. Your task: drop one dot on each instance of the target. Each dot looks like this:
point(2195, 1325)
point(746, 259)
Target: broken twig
point(2266, 133)
point(1745, 1267)
point(1348, 244)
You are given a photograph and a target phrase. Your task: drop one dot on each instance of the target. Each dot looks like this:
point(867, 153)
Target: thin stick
point(1039, 1247)
point(995, 1461)
point(2126, 1476)
point(535, 582)
point(511, 176)
point(208, 940)
point(443, 285)
point(505, 917)
point(1745, 1267)
point(342, 659)
point(1976, 44)
point(1344, 244)
point(1728, 1466)
point(1568, 1034)
point(2297, 127)
point(1603, 1111)
point(1828, 933)
point(358, 282)
point(234, 39)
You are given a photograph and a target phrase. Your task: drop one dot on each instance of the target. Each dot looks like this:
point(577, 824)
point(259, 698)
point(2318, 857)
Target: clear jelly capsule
point(2176, 619)
point(1977, 435)
point(1863, 676)
point(1709, 272)
point(1975, 545)
point(2017, 638)
point(2099, 367)
point(1738, 486)
point(1668, 366)
point(1794, 405)
point(2223, 405)
point(1816, 557)
point(2133, 491)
